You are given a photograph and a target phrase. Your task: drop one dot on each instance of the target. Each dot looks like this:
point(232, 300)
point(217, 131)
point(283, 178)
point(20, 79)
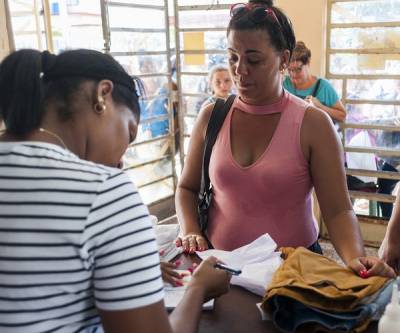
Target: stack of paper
point(257, 260)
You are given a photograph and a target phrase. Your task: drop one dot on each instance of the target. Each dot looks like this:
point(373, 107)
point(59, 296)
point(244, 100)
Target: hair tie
point(48, 61)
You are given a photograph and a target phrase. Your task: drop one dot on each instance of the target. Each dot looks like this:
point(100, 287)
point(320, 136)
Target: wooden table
point(236, 312)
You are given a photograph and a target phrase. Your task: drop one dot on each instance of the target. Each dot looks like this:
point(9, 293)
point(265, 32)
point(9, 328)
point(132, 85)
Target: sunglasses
point(257, 13)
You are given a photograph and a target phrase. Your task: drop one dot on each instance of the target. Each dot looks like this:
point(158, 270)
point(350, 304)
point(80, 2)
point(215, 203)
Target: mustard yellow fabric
point(320, 282)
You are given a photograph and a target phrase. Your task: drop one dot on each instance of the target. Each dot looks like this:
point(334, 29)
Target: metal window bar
point(140, 53)
point(370, 173)
point(34, 11)
point(213, 6)
point(346, 101)
point(158, 180)
point(142, 30)
point(393, 24)
point(10, 35)
point(201, 29)
point(47, 25)
point(167, 53)
point(201, 51)
point(153, 119)
point(365, 51)
point(153, 161)
point(139, 143)
point(133, 5)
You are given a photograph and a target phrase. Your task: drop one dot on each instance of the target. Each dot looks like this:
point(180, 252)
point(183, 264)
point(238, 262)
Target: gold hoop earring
point(100, 106)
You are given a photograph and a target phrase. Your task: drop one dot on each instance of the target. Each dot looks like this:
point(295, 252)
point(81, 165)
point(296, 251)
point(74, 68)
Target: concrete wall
point(309, 22)
point(4, 45)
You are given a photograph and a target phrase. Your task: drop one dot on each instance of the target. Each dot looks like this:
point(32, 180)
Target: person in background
point(220, 84)
point(157, 105)
point(315, 90)
point(78, 248)
point(271, 151)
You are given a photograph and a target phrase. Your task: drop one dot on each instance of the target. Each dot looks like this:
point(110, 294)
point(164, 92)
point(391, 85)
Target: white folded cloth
point(166, 235)
point(257, 260)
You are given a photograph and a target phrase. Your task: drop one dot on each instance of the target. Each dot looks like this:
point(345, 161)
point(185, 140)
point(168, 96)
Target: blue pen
point(228, 269)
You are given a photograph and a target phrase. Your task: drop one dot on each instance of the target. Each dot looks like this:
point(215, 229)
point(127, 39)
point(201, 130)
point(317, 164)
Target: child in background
point(220, 84)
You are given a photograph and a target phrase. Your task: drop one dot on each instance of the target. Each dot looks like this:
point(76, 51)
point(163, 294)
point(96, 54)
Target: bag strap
point(218, 115)
point(314, 94)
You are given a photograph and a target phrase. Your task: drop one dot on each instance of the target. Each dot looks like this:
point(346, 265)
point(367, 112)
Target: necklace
point(54, 135)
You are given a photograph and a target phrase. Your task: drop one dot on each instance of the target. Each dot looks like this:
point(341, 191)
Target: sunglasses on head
point(257, 13)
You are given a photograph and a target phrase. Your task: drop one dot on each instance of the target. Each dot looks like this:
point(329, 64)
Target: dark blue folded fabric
point(289, 314)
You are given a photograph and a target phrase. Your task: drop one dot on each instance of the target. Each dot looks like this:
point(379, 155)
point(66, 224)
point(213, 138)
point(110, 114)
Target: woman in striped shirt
point(77, 250)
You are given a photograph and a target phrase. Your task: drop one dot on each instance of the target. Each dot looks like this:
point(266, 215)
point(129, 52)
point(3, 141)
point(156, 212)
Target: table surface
point(236, 312)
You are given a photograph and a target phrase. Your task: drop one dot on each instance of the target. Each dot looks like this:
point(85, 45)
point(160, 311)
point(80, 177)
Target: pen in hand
point(228, 269)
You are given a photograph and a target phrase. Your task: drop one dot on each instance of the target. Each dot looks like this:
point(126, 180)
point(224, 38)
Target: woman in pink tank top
point(271, 151)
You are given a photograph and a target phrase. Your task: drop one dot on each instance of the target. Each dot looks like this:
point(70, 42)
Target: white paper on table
point(174, 295)
point(257, 260)
point(256, 277)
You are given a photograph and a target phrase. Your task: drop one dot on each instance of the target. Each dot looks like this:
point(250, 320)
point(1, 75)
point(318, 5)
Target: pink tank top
point(273, 195)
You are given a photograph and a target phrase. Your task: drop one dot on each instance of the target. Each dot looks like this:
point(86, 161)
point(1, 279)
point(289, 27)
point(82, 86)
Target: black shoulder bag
point(314, 93)
point(218, 115)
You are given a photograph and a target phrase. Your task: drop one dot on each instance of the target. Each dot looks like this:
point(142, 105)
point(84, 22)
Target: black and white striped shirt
point(74, 236)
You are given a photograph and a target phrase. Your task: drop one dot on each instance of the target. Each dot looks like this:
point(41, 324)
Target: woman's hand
point(192, 243)
point(169, 274)
point(389, 252)
point(371, 266)
point(214, 281)
point(313, 101)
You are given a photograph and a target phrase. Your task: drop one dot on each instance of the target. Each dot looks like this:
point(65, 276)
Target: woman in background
point(316, 91)
point(220, 84)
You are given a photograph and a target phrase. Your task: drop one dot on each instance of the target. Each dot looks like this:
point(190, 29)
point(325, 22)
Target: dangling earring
point(100, 106)
point(283, 69)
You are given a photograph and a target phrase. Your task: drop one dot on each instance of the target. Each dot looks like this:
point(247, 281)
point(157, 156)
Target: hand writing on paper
point(215, 281)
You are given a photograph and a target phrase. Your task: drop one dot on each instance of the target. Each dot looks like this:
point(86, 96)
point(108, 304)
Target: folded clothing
point(319, 287)
point(290, 315)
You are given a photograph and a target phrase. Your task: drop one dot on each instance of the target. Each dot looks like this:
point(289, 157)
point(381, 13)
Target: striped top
point(74, 236)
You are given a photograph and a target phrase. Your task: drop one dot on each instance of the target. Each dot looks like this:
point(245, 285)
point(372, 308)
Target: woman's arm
point(390, 247)
point(336, 111)
point(189, 186)
point(207, 282)
point(321, 147)
point(325, 156)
